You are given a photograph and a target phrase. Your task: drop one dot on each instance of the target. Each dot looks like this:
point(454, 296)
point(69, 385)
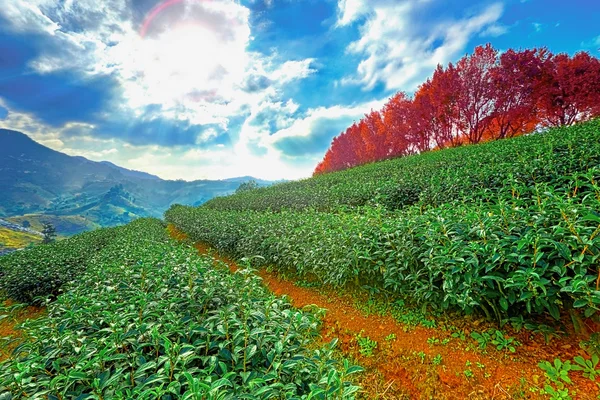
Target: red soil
point(396, 370)
point(8, 326)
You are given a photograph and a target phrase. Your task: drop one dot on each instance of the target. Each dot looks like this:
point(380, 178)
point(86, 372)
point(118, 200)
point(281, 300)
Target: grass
point(66, 225)
point(10, 239)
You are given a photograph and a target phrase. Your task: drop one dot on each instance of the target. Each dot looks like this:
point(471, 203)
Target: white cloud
point(399, 50)
point(190, 63)
point(306, 127)
point(350, 10)
point(192, 57)
point(215, 162)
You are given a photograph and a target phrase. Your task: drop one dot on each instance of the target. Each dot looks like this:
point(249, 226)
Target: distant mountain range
point(39, 185)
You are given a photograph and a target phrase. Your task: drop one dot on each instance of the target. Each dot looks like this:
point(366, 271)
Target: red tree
point(396, 126)
point(483, 97)
point(517, 80)
point(475, 91)
point(571, 90)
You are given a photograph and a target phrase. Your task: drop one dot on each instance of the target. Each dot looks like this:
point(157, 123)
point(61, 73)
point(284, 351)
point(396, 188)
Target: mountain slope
point(37, 181)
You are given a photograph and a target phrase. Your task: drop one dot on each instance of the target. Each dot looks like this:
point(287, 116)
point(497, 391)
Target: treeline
point(485, 96)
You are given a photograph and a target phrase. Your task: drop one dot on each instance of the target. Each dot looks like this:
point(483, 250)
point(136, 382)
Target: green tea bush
point(464, 174)
point(152, 320)
point(29, 275)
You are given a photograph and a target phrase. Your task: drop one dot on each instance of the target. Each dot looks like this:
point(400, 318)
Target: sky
point(212, 89)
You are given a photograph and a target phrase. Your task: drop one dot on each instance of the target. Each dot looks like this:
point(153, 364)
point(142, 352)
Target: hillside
point(38, 183)
point(436, 228)
point(465, 174)
point(15, 236)
point(483, 255)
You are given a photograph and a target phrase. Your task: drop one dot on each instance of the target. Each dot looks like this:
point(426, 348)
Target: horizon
point(270, 86)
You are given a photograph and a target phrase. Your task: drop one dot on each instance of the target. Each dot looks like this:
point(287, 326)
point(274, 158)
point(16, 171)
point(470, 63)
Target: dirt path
point(423, 363)
point(9, 323)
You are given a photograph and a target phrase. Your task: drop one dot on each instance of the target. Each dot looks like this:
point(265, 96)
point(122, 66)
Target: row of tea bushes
point(33, 274)
point(464, 174)
point(149, 319)
point(519, 255)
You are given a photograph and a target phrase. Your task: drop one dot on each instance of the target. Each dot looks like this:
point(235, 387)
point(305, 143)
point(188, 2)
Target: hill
point(467, 174)
point(38, 183)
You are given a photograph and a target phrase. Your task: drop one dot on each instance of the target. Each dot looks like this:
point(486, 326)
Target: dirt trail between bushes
point(404, 365)
point(9, 323)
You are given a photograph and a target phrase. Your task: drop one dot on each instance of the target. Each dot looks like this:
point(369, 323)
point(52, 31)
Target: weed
point(557, 372)
point(433, 341)
point(460, 335)
point(437, 360)
point(592, 345)
point(589, 367)
point(557, 394)
point(483, 339)
point(504, 343)
point(365, 345)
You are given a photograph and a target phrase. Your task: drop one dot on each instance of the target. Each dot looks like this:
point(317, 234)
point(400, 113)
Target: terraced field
point(467, 273)
point(507, 232)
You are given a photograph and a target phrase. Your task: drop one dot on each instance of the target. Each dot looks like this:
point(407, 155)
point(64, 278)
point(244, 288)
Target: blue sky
point(196, 89)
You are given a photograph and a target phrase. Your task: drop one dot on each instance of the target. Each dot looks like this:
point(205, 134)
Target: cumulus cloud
point(398, 49)
point(191, 58)
point(312, 134)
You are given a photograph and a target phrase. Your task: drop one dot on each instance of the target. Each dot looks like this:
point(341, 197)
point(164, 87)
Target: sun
point(183, 55)
point(190, 51)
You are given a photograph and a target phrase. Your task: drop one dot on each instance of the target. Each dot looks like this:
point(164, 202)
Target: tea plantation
point(133, 314)
point(507, 228)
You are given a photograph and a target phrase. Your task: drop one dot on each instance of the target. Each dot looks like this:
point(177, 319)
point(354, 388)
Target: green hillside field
point(507, 229)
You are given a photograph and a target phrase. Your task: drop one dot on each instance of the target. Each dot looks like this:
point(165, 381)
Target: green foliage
point(437, 360)
point(558, 372)
point(589, 367)
point(366, 345)
point(150, 319)
point(507, 228)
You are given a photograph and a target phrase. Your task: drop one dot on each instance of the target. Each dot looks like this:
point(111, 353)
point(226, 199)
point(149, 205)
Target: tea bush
point(149, 319)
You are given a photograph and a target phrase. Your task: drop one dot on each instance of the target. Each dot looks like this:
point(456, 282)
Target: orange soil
point(8, 326)
point(405, 374)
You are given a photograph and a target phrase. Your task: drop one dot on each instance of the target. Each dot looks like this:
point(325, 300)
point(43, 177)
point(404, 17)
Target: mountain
point(130, 172)
point(39, 185)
